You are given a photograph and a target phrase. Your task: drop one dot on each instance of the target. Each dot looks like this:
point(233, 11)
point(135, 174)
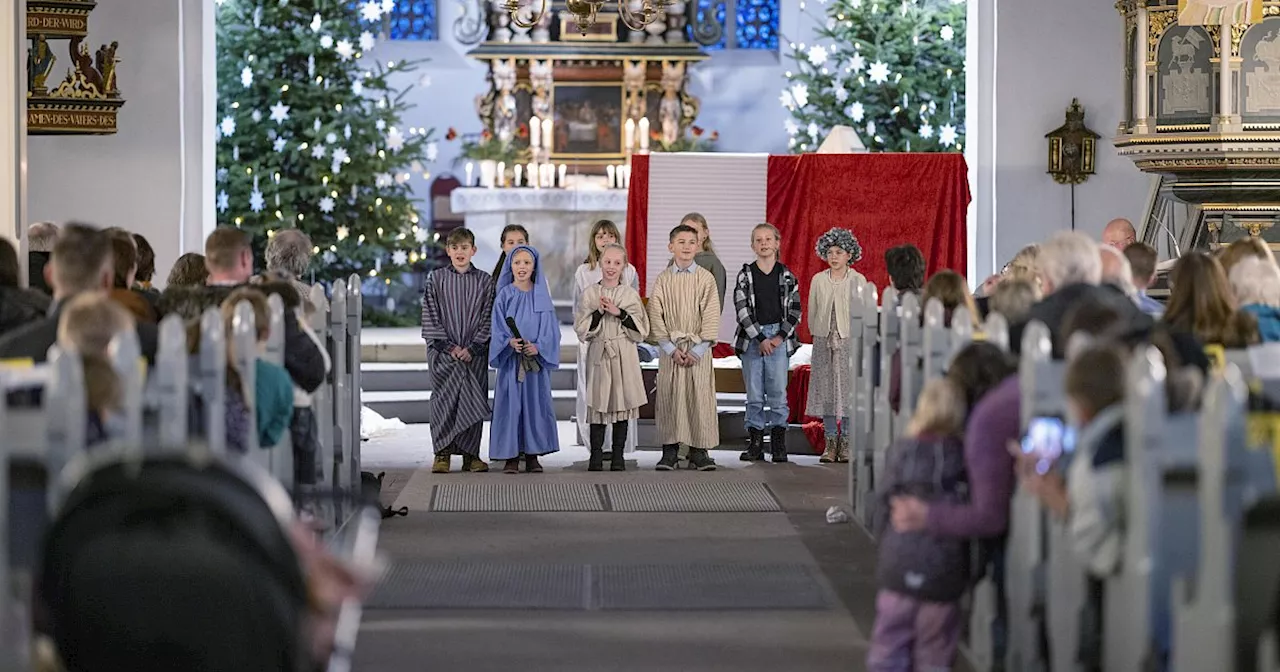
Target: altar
point(559, 222)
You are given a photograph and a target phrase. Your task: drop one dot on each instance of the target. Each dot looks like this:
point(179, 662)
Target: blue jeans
point(766, 379)
point(829, 427)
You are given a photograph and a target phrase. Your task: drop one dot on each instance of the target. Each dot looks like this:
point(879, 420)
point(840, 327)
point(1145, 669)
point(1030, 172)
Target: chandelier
point(584, 12)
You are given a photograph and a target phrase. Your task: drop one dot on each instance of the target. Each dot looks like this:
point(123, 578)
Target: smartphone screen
point(1047, 438)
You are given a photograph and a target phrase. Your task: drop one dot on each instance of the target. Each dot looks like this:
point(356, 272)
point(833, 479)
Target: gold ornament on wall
point(585, 12)
point(87, 99)
point(1072, 148)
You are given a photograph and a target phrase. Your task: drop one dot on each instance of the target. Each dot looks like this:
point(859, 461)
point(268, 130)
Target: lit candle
point(470, 167)
point(629, 137)
point(564, 171)
point(535, 132)
point(644, 133)
point(502, 174)
point(612, 172)
point(532, 179)
point(519, 175)
point(548, 135)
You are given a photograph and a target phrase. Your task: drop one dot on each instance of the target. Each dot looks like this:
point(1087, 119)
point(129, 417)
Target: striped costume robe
point(455, 311)
point(684, 314)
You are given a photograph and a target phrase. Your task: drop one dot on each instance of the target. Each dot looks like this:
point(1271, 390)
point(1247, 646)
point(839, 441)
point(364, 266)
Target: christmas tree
point(311, 136)
point(891, 69)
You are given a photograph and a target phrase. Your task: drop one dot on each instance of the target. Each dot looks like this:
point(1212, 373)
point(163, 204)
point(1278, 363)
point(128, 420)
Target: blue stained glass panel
point(705, 6)
point(414, 20)
point(757, 24)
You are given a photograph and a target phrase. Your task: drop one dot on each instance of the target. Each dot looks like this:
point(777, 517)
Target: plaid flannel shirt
point(744, 304)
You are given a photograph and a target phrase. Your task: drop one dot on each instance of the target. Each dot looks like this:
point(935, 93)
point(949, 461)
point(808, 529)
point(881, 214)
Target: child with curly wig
point(830, 293)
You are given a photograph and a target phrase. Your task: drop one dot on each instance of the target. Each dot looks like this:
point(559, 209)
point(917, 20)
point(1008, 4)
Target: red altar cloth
point(886, 199)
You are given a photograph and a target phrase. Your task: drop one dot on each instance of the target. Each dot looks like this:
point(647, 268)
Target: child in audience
point(766, 298)
point(611, 321)
point(905, 264)
point(829, 322)
point(922, 576)
point(273, 388)
point(456, 314)
point(706, 257)
point(603, 233)
point(684, 319)
point(524, 421)
point(188, 271)
point(87, 325)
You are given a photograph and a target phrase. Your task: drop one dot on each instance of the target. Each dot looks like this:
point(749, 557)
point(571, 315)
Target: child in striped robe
point(456, 305)
point(684, 319)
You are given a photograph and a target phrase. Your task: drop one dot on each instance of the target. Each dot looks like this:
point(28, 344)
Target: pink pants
point(913, 635)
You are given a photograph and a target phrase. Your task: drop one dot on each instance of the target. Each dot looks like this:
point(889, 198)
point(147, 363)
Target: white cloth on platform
point(584, 277)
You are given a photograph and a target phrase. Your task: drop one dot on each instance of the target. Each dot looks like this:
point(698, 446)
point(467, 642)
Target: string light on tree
point(888, 67)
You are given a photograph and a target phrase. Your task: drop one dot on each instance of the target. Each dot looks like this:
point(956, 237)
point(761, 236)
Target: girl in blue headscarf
point(524, 421)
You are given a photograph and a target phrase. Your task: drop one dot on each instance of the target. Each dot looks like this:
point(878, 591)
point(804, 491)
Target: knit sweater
point(994, 422)
point(824, 292)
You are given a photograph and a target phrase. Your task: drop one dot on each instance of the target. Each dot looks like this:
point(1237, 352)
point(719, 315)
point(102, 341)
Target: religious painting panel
point(1260, 73)
point(1218, 12)
point(1184, 81)
point(588, 120)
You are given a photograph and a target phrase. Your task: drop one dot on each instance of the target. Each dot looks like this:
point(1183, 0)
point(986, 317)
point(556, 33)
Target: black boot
point(597, 448)
point(778, 443)
point(755, 446)
point(670, 457)
point(700, 460)
point(618, 461)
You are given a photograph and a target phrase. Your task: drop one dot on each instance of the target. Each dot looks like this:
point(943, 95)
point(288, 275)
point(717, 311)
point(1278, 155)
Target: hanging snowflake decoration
point(228, 126)
point(879, 72)
point(326, 41)
point(256, 200)
point(926, 131)
point(947, 135)
point(947, 33)
point(399, 258)
point(279, 144)
point(432, 150)
point(371, 11)
point(800, 94)
point(246, 76)
point(344, 49)
point(366, 41)
point(857, 112)
point(420, 234)
point(279, 112)
point(395, 139)
point(317, 151)
point(383, 180)
point(326, 204)
point(817, 55)
point(224, 201)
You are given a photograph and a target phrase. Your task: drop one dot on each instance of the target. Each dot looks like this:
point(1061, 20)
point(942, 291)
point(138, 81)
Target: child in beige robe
point(611, 321)
point(684, 319)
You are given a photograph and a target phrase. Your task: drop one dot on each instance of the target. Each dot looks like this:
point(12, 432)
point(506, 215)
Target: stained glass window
point(705, 6)
point(750, 24)
point(416, 20)
point(757, 24)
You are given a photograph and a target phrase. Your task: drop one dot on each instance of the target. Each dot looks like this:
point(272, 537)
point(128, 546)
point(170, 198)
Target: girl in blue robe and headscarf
point(524, 421)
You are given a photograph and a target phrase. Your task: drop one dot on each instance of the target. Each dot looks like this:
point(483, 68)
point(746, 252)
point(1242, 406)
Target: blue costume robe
point(524, 421)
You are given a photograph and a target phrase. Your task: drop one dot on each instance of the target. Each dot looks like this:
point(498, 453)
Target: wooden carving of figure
point(669, 108)
point(633, 78)
point(40, 62)
point(504, 84)
point(84, 65)
point(541, 80)
point(106, 62)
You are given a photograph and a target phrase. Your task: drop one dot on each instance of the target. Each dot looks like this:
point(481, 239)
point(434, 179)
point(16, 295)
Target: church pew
point(910, 349)
point(865, 317)
point(961, 335)
point(995, 330)
point(340, 395)
point(355, 310)
point(936, 341)
point(883, 422)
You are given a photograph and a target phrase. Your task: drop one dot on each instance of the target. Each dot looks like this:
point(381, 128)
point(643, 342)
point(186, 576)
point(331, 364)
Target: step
point(414, 376)
point(411, 406)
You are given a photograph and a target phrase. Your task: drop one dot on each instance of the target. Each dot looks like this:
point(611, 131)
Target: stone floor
point(740, 556)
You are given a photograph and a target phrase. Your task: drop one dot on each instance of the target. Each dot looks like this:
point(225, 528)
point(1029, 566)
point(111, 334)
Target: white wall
point(135, 178)
point(1048, 53)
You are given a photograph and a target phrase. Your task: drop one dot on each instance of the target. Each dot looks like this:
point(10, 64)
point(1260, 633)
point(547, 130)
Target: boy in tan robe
point(611, 321)
point(684, 318)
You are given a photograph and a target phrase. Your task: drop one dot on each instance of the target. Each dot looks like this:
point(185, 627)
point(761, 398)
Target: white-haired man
point(1117, 272)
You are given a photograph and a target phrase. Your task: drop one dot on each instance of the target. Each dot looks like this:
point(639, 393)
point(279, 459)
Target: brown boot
point(842, 449)
point(442, 463)
point(531, 465)
point(473, 464)
point(830, 453)
point(511, 466)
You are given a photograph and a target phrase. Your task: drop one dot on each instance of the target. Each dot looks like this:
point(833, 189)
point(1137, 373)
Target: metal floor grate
point(708, 587)
point(481, 586)
point(679, 587)
point(516, 498)
point(714, 497)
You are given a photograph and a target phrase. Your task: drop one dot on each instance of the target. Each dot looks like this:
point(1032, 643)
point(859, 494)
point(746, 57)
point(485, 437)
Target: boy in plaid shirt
point(766, 298)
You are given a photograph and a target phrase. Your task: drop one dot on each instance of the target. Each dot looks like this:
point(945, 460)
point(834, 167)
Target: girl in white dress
point(603, 232)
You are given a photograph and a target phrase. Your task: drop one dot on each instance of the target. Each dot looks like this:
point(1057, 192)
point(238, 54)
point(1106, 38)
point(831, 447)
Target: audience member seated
point(229, 260)
point(89, 323)
point(1142, 262)
point(1070, 271)
point(1013, 299)
point(188, 271)
point(40, 239)
point(1021, 267)
point(18, 306)
point(303, 429)
point(1248, 246)
point(146, 272)
point(1117, 272)
point(289, 253)
point(1256, 285)
point(81, 262)
point(1119, 234)
point(905, 264)
point(273, 390)
point(1201, 304)
point(125, 256)
point(952, 291)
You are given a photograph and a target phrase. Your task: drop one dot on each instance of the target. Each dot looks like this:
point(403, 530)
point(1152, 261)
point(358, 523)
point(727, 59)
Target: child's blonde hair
point(593, 253)
point(940, 410)
point(90, 321)
point(700, 221)
point(766, 225)
point(613, 246)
